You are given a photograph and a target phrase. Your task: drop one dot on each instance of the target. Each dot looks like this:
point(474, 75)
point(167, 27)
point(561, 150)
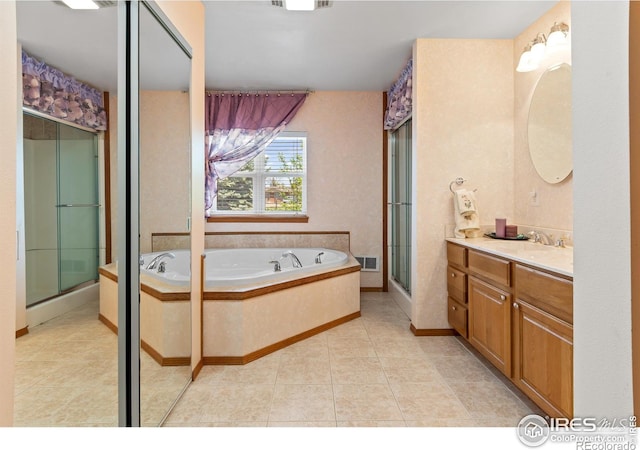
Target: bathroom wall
point(9, 114)
point(164, 164)
point(462, 127)
point(344, 172)
point(555, 208)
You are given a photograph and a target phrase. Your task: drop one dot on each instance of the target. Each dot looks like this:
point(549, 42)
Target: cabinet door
point(490, 323)
point(543, 359)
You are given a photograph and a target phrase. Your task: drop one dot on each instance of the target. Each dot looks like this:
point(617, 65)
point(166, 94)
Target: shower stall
point(61, 205)
point(401, 189)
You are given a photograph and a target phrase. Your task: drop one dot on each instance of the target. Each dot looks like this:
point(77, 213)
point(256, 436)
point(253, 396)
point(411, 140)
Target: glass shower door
point(78, 207)
point(61, 208)
point(401, 205)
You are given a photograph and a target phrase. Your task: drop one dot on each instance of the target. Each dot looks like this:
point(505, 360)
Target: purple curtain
point(399, 98)
point(48, 90)
point(238, 127)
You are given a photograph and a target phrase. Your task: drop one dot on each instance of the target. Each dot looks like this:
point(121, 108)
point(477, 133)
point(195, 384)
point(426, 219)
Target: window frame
point(259, 176)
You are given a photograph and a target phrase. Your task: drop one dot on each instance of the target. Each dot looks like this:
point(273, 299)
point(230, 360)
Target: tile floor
point(369, 372)
point(67, 376)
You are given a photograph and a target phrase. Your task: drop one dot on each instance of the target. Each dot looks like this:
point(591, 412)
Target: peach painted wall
point(462, 127)
point(555, 208)
point(344, 172)
point(164, 164)
point(9, 113)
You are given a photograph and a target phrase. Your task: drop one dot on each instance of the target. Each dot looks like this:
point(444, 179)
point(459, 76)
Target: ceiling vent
point(318, 3)
point(101, 4)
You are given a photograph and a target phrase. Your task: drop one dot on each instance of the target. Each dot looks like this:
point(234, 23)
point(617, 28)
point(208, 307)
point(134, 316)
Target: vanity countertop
point(547, 257)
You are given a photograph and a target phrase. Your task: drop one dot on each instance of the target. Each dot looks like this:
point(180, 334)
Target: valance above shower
point(49, 91)
point(399, 98)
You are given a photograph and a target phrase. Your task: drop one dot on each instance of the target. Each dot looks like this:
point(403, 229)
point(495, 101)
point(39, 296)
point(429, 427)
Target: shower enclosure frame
point(64, 285)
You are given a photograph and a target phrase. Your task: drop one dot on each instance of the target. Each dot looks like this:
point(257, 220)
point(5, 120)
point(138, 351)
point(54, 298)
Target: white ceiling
point(251, 45)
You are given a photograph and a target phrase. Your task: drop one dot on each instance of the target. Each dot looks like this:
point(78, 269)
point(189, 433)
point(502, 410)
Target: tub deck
point(240, 323)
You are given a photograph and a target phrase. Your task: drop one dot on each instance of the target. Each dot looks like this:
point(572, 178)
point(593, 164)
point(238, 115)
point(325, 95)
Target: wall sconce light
point(527, 63)
point(558, 35)
point(537, 49)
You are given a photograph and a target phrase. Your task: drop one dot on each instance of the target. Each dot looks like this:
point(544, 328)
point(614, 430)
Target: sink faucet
point(540, 236)
point(294, 259)
point(154, 261)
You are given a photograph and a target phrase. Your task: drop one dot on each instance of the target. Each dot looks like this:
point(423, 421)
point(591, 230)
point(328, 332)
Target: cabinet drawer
point(457, 317)
point(490, 267)
point(457, 284)
point(545, 291)
point(456, 255)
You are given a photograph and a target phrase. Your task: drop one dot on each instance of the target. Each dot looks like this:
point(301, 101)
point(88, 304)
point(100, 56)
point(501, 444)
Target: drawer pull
point(515, 305)
point(503, 297)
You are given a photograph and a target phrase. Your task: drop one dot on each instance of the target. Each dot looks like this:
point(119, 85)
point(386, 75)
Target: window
point(274, 182)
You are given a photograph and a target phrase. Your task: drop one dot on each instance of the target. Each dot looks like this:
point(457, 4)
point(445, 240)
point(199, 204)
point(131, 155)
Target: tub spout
point(156, 260)
point(294, 259)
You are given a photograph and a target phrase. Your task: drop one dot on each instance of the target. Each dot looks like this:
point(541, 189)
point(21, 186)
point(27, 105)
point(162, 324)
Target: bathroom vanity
point(513, 302)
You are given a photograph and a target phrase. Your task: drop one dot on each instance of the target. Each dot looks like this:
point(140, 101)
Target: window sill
point(259, 218)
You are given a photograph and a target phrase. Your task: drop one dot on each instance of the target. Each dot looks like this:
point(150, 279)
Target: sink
point(526, 251)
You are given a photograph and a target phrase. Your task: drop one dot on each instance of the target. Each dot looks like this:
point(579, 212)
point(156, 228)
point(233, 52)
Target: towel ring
point(458, 181)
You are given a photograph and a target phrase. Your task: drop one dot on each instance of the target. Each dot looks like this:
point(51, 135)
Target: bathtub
point(244, 266)
point(248, 308)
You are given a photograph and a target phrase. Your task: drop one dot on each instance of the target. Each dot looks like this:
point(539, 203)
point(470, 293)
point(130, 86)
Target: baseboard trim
point(171, 361)
point(196, 370)
point(240, 360)
point(433, 331)
point(371, 289)
point(22, 331)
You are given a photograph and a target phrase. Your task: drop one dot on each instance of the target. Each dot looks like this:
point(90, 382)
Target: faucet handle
point(276, 265)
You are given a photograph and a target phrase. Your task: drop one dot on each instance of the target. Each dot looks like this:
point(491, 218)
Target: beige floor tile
point(372, 423)
point(312, 424)
point(304, 370)
point(340, 347)
point(434, 422)
point(428, 400)
point(461, 368)
point(238, 402)
point(365, 402)
point(489, 399)
point(397, 347)
point(352, 329)
point(302, 403)
point(442, 346)
point(357, 370)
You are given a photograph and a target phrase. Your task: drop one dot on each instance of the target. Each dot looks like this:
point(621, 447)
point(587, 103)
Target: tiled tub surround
point(338, 240)
point(240, 323)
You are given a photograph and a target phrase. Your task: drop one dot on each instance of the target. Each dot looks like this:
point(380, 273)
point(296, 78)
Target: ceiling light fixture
point(80, 4)
point(540, 47)
point(300, 5)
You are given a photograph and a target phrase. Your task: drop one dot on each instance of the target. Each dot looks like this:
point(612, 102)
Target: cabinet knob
point(503, 297)
point(453, 275)
point(515, 305)
point(454, 308)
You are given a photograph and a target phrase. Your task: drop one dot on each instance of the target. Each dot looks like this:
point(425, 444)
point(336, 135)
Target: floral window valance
point(399, 99)
point(49, 91)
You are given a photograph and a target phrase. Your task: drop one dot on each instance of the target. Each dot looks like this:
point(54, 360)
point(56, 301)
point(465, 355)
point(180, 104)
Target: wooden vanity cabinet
point(543, 339)
point(519, 318)
point(457, 288)
point(490, 308)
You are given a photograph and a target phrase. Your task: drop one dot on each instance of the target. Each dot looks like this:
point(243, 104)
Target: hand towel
point(467, 224)
point(466, 202)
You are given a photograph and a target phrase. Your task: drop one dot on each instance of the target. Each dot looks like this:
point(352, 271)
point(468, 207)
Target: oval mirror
point(549, 125)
